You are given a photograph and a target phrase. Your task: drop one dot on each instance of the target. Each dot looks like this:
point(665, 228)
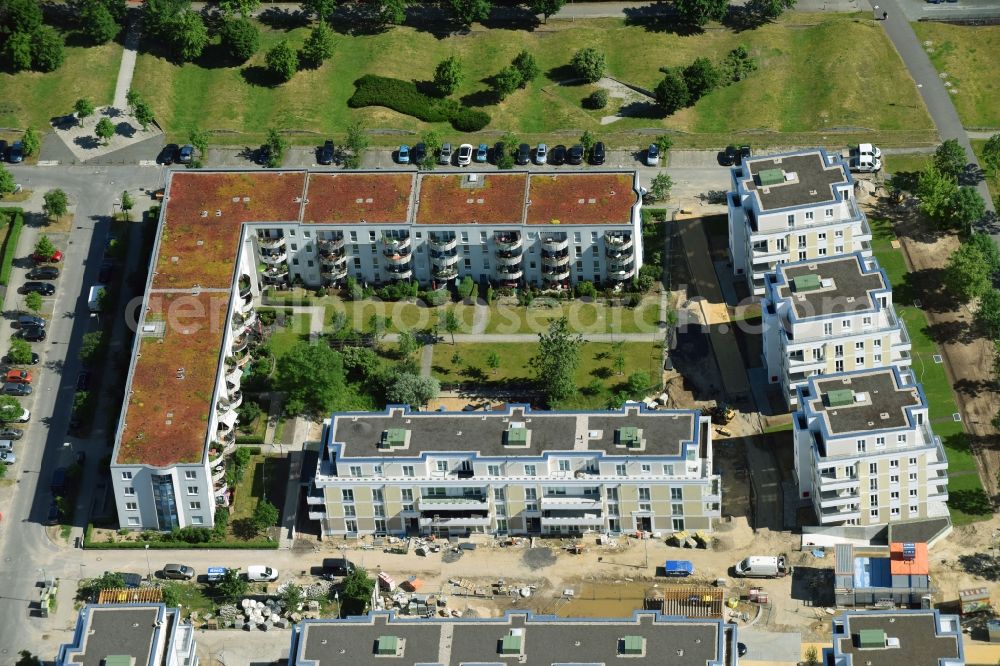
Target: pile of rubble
point(251, 615)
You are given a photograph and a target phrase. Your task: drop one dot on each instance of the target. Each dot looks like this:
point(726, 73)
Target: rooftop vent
point(218, 212)
point(808, 282)
point(389, 646)
point(871, 638)
point(884, 415)
point(768, 177)
point(516, 434)
point(839, 398)
point(394, 438)
point(629, 436)
point(632, 646)
point(513, 642)
point(473, 178)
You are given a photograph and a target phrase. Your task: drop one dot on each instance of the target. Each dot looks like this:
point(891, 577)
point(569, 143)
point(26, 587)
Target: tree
point(321, 9)
point(318, 47)
point(90, 346)
point(447, 76)
point(737, 65)
point(188, 36)
point(248, 413)
point(936, 192)
point(596, 100)
point(7, 183)
point(127, 204)
point(967, 208)
point(199, 139)
point(557, 360)
point(659, 187)
point(17, 51)
point(83, 107)
point(19, 351)
point(23, 16)
point(356, 143)
point(525, 63)
point(97, 22)
point(505, 160)
point(587, 140)
point(700, 12)
point(30, 141)
point(27, 659)
point(378, 325)
point(44, 246)
point(10, 408)
point(244, 7)
point(432, 141)
point(312, 376)
point(407, 343)
point(988, 313)
point(971, 267)
point(232, 587)
point(589, 64)
point(467, 12)
point(546, 7)
point(392, 12)
point(265, 515)
point(672, 93)
point(276, 147)
point(448, 321)
point(142, 112)
point(405, 388)
point(47, 49)
point(33, 301)
point(358, 588)
point(240, 37)
point(950, 159)
point(293, 596)
point(56, 204)
point(701, 77)
point(282, 61)
point(161, 16)
point(493, 360)
point(991, 154)
point(88, 589)
point(104, 130)
point(812, 657)
point(637, 384)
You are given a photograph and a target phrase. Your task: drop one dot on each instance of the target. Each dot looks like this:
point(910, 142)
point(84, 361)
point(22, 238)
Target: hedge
point(404, 97)
point(16, 222)
point(250, 439)
point(88, 542)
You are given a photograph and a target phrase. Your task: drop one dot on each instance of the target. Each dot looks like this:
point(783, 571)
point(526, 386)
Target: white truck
point(762, 566)
point(94, 298)
point(866, 158)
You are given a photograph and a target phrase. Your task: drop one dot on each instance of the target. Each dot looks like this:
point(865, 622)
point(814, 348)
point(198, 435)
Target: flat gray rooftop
point(544, 643)
point(483, 432)
point(850, 290)
point(117, 631)
point(883, 407)
point(813, 183)
point(919, 644)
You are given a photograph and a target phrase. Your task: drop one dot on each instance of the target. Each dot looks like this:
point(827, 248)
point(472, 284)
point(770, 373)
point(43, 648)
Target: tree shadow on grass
point(283, 19)
point(480, 98)
point(511, 17)
point(216, 56)
point(948, 332)
point(255, 75)
point(565, 75)
point(601, 372)
point(659, 17)
point(641, 110)
point(924, 285)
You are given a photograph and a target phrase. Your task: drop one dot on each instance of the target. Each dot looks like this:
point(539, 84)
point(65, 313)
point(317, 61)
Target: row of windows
point(530, 494)
point(189, 474)
point(499, 471)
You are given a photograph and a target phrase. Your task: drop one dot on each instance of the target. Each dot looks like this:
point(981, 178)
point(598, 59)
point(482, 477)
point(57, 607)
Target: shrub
point(241, 38)
point(596, 100)
point(403, 96)
point(589, 64)
point(470, 120)
point(10, 247)
point(282, 61)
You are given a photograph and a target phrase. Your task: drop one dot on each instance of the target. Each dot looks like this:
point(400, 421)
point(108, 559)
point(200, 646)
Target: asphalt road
point(25, 549)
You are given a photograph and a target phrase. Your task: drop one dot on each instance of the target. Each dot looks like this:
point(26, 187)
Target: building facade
point(896, 638)
point(515, 472)
point(792, 207)
point(830, 315)
point(130, 634)
point(864, 450)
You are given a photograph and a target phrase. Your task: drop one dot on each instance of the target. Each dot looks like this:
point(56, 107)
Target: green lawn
point(264, 476)
point(992, 181)
point(803, 87)
point(912, 163)
point(596, 363)
point(33, 98)
point(296, 330)
point(969, 56)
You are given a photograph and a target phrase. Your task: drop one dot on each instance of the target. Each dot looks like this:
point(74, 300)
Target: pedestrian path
point(127, 67)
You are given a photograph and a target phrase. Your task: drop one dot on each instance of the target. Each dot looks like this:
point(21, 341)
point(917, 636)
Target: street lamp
point(149, 572)
point(336, 597)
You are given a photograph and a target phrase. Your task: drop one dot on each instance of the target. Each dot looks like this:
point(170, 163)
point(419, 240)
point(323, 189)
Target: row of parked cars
point(523, 154)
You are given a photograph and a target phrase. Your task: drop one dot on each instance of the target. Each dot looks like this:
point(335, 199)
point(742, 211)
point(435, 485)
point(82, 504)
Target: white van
point(258, 573)
point(762, 566)
point(6, 445)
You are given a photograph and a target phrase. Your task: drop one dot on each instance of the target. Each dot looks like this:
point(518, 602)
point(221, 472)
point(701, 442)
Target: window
point(644, 493)
point(612, 494)
point(894, 512)
point(914, 508)
point(822, 252)
point(126, 476)
point(619, 470)
point(894, 463)
point(377, 495)
point(442, 465)
point(828, 214)
point(866, 322)
point(894, 495)
point(872, 485)
point(791, 219)
point(676, 493)
point(828, 329)
point(846, 324)
point(499, 495)
point(859, 346)
point(563, 465)
point(839, 233)
point(529, 470)
point(838, 249)
point(873, 500)
point(129, 491)
point(838, 366)
point(838, 351)
point(190, 474)
point(133, 520)
point(880, 442)
point(877, 359)
point(802, 256)
point(861, 446)
point(901, 439)
point(872, 467)
point(677, 509)
point(493, 470)
point(198, 520)
point(355, 470)
point(894, 479)
point(647, 469)
point(668, 470)
point(912, 476)
point(378, 469)
point(195, 506)
point(351, 525)
point(802, 241)
point(913, 461)
point(809, 216)
point(530, 493)
point(192, 490)
point(677, 524)
point(408, 470)
point(349, 511)
point(913, 492)
point(347, 494)
point(380, 526)
point(131, 506)
point(873, 513)
point(859, 360)
point(406, 494)
point(820, 237)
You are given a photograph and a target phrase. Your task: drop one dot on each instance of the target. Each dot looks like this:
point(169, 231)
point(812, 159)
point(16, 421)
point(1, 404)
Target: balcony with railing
point(621, 275)
point(507, 241)
point(559, 258)
point(330, 245)
point(513, 258)
point(827, 482)
point(445, 273)
point(244, 305)
point(331, 260)
point(442, 259)
point(555, 274)
point(274, 258)
point(453, 503)
point(399, 272)
point(617, 241)
point(839, 514)
point(398, 256)
point(469, 520)
point(555, 242)
point(832, 498)
point(509, 273)
point(392, 244)
point(245, 285)
point(270, 242)
point(218, 473)
point(274, 274)
point(333, 272)
point(572, 518)
point(570, 502)
point(442, 242)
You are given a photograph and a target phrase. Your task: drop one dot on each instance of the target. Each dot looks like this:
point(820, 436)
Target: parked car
point(3, 150)
point(482, 152)
point(14, 388)
point(419, 153)
point(541, 154)
point(558, 155)
point(337, 567)
point(465, 154)
point(33, 333)
point(53, 258)
point(444, 157)
point(185, 154)
point(43, 288)
point(597, 154)
point(54, 515)
point(523, 154)
point(7, 457)
point(575, 154)
point(745, 153)
point(18, 376)
point(10, 432)
point(178, 572)
point(16, 153)
point(168, 154)
point(35, 358)
point(106, 272)
point(403, 154)
point(12, 415)
point(215, 574)
point(43, 273)
point(6, 445)
point(326, 153)
point(259, 573)
point(499, 148)
point(729, 156)
point(652, 155)
point(741, 649)
point(29, 320)
point(82, 381)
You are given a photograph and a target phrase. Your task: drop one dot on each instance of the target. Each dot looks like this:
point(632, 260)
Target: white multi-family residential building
point(830, 315)
point(792, 207)
point(515, 472)
point(226, 235)
point(896, 638)
point(130, 634)
point(865, 453)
